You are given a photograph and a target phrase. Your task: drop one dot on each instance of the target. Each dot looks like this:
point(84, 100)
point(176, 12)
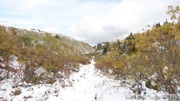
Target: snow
point(89, 84)
point(40, 71)
point(14, 62)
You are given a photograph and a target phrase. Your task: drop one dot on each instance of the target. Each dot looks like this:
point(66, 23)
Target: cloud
point(91, 21)
point(31, 4)
point(50, 29)
point(118, 20)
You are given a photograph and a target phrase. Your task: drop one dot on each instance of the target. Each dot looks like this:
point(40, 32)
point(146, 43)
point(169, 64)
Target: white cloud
point(91, 21)
point(117, 20)
point(30, 4)
point(50, 29)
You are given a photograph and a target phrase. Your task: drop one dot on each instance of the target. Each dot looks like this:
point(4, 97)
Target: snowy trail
point(91, 85)
point(88, 84)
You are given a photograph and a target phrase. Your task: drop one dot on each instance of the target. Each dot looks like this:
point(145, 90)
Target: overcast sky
point(91, 21)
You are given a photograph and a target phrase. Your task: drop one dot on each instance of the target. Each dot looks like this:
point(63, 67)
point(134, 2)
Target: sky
point(90, 21)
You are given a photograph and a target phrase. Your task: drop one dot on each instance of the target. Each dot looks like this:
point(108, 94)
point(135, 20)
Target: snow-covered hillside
point(88, 84)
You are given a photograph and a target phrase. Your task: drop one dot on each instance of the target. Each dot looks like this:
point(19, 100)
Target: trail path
point(90, 85)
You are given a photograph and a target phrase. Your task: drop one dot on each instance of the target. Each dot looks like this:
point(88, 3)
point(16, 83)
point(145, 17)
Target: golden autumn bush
point(152, 56)
point(40, 49)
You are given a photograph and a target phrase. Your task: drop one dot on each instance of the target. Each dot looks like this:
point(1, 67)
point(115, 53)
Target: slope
point(34, 49)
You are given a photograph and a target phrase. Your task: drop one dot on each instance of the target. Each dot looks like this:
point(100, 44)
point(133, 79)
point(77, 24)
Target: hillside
point(34, 49)
point(152, 56)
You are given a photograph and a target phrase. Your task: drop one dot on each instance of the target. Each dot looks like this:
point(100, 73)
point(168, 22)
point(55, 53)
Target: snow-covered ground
point(86, 85)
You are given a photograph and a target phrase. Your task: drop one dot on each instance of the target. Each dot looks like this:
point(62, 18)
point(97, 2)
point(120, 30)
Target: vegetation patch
point(152, 56)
